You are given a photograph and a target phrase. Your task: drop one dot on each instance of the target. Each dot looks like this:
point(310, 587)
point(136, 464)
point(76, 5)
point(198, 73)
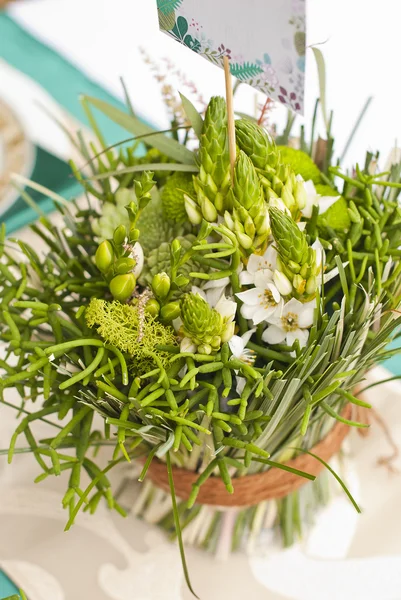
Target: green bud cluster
point(249, 218)
point(297, 265)
point(278, 179)
point(159, 261)
point(203, 325)
point(172, 196)
point(117, 265)
point(213, 182)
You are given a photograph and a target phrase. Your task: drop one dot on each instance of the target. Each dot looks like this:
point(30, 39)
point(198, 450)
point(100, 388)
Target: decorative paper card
point(264, 40)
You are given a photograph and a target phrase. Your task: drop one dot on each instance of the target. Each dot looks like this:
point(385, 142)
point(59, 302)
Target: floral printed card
point(263, 39)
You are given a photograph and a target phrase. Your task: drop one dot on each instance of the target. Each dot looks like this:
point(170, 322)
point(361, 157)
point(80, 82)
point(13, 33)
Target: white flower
point(266, 262)
point(238, 347)
point(263, 301)
point(315, 199)
point(227, 308)
point(291, 324)
point(212, 290)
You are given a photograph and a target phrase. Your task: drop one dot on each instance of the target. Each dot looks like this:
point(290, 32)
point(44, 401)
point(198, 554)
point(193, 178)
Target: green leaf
point(321, 69)
point(193, 115)
point(177, 524)
point(168, 6)
point(245, 70)
point(148, 167)
point(166, 145)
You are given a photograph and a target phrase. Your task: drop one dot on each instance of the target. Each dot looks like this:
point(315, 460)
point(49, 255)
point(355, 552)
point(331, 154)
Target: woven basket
point(252, 489)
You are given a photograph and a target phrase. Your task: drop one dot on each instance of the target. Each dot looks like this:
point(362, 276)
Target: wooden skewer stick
point(230, 113)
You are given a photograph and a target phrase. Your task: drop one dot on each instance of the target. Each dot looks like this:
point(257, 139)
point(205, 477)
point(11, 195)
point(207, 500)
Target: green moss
point(301, 163)
point(122, 326)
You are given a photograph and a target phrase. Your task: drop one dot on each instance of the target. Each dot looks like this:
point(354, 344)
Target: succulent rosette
point(219, 324)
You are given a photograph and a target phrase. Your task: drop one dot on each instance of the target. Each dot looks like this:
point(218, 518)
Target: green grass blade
point(337, 477)
point(177, 524)
point(193, 115)
point(167, 145)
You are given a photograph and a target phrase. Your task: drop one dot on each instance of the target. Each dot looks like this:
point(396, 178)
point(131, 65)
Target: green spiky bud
point(161, 285)
point(152, 307)
point(202, 324)
point(290, 240)
point(250, 218)
point(170, 311)
point(120, 235)
point(255, 142)
point(172, 196)
point(104, 256)
point(213, 182)
point(122, 286)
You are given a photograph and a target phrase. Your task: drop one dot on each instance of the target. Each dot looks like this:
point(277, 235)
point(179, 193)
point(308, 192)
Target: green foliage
point(154, 228)
point(301, 163)
point(172, 196)
point(131, 329)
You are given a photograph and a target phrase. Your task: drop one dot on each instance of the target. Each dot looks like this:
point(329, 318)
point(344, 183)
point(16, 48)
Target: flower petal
point(253, 296)
point(301, 335)
point(197, 290)
point(293, 306)
point(247, 335)
point(248, 310)
point(246, 278)
point(227, 308)
point(263, 278)
point(237, 345)
point(273, 335)
point(305, 317)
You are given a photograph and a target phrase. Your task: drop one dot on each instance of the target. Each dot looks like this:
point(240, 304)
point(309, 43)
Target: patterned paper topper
point(264, 40)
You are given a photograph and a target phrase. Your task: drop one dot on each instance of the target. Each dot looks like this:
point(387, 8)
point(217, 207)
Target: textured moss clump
point(131, 330)
point(301, 163)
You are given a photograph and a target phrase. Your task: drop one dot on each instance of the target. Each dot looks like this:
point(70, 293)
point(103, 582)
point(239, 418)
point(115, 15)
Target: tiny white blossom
point(266, 262)
point(291, 324)
point(262, 301)
point(315, 199)
point(238, 348)
point(137, 254)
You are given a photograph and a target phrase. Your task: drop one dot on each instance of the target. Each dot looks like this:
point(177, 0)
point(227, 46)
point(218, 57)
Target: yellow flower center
point(290, 322)
point(267, 299)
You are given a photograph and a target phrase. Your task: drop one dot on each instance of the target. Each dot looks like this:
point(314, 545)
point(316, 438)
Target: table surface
point(106, 557)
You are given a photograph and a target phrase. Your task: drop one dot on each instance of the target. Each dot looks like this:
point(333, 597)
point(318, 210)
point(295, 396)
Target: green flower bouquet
point(217, 317)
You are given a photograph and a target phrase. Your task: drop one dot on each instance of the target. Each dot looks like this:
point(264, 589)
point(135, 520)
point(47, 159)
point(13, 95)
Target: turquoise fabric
point(55, 74)
point(65, 83)
point(7, 588)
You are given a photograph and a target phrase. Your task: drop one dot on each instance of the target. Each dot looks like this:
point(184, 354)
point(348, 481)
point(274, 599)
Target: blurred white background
point(360, 46)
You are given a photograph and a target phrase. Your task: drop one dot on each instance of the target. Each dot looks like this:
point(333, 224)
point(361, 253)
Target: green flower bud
point(122, 286)
point(255, 142)
point(205, 349)
point(170, 311)
point(299, 284)
point(202, 324)
point(120, 235)
point(208, 210)
point(181, 281)
point(124, 265)
point(152, 307)
point(282, 283)
point(161, 285)
point(193, 212)
point(311, 285)
point(104, 256)
point(291, 241)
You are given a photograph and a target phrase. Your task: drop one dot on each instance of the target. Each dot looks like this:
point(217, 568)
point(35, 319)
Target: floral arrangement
point(217, 319)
